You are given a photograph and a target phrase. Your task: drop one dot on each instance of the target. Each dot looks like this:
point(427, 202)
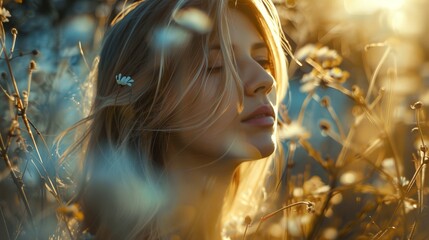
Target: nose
point(256, 79)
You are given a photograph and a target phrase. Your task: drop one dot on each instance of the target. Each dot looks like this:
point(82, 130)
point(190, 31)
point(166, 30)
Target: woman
point(171, 145)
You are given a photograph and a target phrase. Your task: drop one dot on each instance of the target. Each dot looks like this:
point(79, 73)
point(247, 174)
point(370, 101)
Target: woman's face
point(239, 133)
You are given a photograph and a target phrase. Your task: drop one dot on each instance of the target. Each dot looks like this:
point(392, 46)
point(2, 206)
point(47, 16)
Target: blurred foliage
point(348, 122)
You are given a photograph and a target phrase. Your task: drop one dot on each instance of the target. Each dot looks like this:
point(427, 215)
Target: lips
point(263, 116)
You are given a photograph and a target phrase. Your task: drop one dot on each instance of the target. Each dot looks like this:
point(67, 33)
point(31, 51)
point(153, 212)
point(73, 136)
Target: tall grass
point(356, 159)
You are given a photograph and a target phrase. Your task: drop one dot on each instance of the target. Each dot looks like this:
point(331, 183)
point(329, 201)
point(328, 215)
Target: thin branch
point(376, 71)
point(17, 180)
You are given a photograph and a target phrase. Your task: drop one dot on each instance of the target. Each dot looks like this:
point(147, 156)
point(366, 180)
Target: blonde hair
point(128, 127)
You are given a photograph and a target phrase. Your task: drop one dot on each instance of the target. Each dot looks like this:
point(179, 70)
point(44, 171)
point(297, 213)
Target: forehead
point(243, 32)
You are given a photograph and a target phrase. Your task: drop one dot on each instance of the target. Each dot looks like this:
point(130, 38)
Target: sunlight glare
point(407, 21)
point(363, 7)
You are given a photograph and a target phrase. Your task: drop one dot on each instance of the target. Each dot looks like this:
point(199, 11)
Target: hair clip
point(124, 80)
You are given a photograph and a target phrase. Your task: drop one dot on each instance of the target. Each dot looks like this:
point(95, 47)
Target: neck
point(198, 194)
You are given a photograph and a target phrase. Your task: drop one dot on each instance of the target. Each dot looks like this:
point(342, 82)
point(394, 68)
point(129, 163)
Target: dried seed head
point(14, 124)
point(356, 90)
point(14, 31)
point(324, 82)
point(423, 148)
point(32, 65)
point(417, 105)
point(415, 129)
point(17, 103)
point(4, 14)
point(247, 220)
point(358, 95)
point(25, 98)
point(29, 148)
point(35, 52)
point(325, 125)
point(325, 102)
point(310, 207)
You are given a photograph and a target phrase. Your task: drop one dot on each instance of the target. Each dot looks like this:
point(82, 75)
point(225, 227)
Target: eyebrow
point(254, 47)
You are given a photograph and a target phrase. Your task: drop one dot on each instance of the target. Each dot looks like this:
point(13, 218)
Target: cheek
point(210, 142)
point(214, 125)
point(207, 101)
point(212, 128)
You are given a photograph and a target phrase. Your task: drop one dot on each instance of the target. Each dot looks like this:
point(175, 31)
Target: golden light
point(364, 7)
point(407, 21)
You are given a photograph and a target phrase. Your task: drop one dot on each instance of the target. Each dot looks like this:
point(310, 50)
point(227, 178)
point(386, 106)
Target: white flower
point(298, 192)
point(315, 183)
point(336, 72)
point(350, 177)
point(388, 165)
point(294, 130)
point(323, 53)
point(321, 190)
point(403, 181)
point(410, 204)
point(306, 51)
point(124, 80)
point(310, 81)
point(4, 14)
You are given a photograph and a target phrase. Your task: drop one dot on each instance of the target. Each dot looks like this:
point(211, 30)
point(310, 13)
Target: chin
point(252, 152)
point(267, 150)
point(265, 145)
point(250, 148)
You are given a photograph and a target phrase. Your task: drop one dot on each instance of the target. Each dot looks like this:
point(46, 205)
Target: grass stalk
point(17, 180)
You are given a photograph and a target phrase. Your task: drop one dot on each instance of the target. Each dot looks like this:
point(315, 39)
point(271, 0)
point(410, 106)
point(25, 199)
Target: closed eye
point(266, 64)
point(215, 61)
point(215, 69)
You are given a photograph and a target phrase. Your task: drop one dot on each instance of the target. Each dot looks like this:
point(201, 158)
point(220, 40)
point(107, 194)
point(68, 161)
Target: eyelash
point(215, 69)
point(265, 63)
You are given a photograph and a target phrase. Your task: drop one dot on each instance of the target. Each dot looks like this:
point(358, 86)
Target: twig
point(30, 77)
point(41, 136)
point(22, 112)
point(413, 230)
point(376, 71)
point(381, 233)
point(7, 95)
point(319, 217)
point(83, 55)
point(289, 159)
point(17, 180)
point(304, 107)
point(4, 223)
point(270, 215)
